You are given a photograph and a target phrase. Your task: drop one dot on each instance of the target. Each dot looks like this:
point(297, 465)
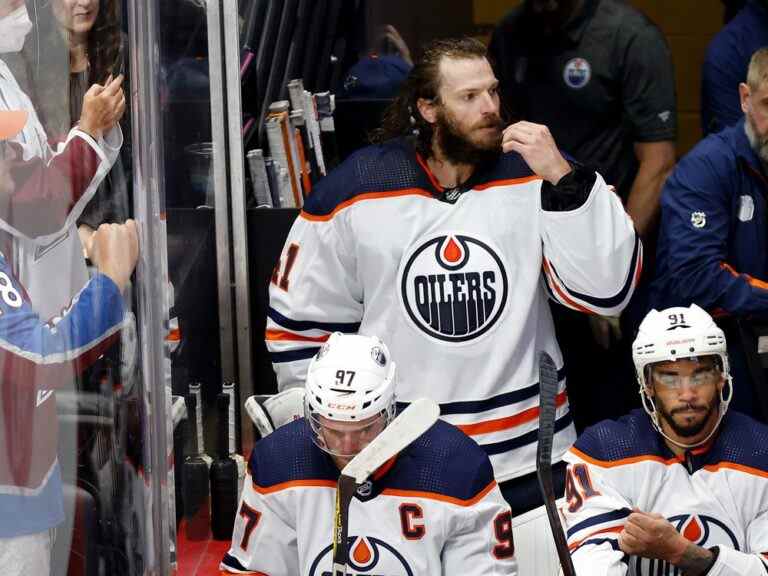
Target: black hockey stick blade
point(344, 493)
point(547, 413)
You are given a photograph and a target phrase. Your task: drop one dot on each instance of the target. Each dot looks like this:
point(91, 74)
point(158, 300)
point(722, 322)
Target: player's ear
point(721, 384)
point(427, 109)
point(744, 94)
point(649, 391)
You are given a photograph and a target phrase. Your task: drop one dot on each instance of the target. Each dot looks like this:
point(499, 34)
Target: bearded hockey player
point(682, 489)
point(432, 509)
point(448, 248)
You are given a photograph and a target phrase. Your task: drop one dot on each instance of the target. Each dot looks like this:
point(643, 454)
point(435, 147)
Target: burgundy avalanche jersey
point(35, 358)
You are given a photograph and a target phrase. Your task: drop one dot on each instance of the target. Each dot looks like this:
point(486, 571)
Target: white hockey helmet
point(675, 334)
point(351, 379)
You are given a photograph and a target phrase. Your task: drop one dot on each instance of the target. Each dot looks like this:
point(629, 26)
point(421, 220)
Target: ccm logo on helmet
point(343, 407)
point(453, 287)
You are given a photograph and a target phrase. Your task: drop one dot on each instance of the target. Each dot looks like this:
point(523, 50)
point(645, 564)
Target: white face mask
point(14, 29)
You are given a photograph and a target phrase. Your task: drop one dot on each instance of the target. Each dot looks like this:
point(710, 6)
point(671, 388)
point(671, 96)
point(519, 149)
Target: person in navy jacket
point(726, 62)
point(714, 228)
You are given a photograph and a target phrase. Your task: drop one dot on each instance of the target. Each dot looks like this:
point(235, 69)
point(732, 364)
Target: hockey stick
point(411, 423)
point(547, 408)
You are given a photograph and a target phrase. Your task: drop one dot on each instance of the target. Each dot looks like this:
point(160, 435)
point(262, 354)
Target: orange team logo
point(368, 556)
point(704, 531)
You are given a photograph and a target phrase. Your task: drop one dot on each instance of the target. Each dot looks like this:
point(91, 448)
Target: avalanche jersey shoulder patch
point(453, 287)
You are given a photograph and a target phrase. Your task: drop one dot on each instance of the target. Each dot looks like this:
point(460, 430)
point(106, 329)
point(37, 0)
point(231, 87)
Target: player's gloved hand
point(652, 536)
point(605, 330)
point(272, 411)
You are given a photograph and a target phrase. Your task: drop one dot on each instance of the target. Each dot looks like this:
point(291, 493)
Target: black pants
point(523, 493)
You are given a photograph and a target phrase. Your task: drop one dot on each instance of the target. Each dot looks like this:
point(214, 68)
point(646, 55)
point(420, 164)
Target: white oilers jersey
point(716, 496)
point(458, 291)
point(434, 509)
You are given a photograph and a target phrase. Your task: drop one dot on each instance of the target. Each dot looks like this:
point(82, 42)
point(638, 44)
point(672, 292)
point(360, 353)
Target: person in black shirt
point(600, 75)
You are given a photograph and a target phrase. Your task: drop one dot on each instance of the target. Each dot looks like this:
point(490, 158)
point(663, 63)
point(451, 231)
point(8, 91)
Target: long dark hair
point(105, 43)
point(402, 117)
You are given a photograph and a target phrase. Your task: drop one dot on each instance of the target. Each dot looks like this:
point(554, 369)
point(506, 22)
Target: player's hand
point(103, 106)
point(652, 536)
point(537, 147)
point(86, 237)
point(114, 251)
point(605, 330)
point(391, 34)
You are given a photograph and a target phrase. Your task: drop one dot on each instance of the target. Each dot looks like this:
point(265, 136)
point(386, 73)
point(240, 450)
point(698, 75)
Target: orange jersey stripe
point(428, 172)
point(404, 192)
point(639, 272)
point(623, 461)
point(509, 421)
point(752, 281)
point(562, 294)
point(507, 182)
point(575, 545)
point(282, 335)
point(362, 197)
point(294, 484)
point(440, 497)
point(737, 467)
point(669, 462)
point(174, 335)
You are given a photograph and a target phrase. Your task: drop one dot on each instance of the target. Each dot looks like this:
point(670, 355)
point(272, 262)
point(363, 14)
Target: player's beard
point(457, 144)
point(694, 428)
point(759, 142)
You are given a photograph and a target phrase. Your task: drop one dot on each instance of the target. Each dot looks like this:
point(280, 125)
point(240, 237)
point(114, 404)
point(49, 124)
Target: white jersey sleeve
point(314, 291)
point(482, 544)
point(592, 256)
point(732, 562)
point(263, 540)
point(594, 513)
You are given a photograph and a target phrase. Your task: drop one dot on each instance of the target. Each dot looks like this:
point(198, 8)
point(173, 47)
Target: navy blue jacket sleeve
point(695, 208)
point(720, 77)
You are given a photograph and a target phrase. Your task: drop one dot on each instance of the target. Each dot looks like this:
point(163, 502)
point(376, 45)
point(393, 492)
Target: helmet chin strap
point(654, 415)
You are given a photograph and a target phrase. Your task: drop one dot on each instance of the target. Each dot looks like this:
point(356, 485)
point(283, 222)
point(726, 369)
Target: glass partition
point(208, 123)
point(75, 492)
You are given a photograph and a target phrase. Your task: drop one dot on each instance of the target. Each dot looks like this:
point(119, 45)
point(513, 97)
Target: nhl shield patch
point(698, 219)
point(453, 287)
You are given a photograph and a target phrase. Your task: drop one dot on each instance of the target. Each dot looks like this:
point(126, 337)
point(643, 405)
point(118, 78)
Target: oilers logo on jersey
point(453, 287)
point(702, 530)
point(367, 556)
